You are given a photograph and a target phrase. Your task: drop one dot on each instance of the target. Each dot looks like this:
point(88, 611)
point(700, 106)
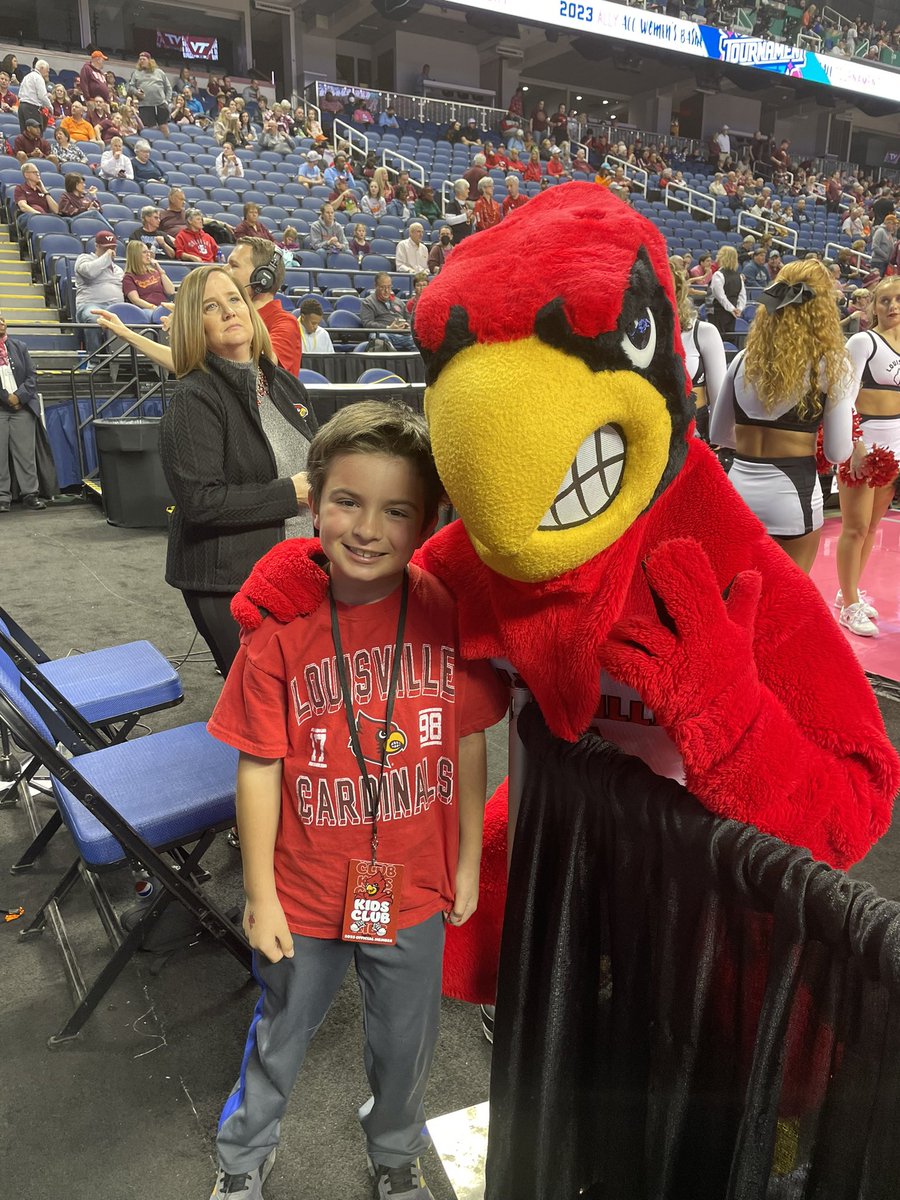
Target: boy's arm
point(258, 813)
point(472, 795)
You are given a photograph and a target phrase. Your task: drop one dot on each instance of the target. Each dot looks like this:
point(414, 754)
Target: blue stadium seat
point(380, 375)
point(342, 319)
point(352, 304)
point(130, 314)
point(312, 377)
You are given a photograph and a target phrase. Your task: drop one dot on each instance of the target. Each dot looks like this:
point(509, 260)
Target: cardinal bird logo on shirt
point(371, 733)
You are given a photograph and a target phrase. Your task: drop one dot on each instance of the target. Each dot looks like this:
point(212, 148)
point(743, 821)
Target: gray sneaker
point(400, 1183)
point(247, 1186)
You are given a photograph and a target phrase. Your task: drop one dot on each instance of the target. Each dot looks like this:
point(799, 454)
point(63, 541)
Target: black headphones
point(263, 278)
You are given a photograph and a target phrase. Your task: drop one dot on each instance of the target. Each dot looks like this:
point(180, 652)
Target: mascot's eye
point(639, 340)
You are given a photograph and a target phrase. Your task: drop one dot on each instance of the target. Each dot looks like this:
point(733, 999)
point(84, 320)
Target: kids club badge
point(372, 902)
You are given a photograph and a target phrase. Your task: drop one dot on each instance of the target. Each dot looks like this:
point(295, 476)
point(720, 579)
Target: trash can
point(135, 492)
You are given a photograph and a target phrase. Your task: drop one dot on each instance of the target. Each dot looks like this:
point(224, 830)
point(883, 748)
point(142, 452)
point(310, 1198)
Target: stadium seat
point(352, 304)
point(343, 319)
point(130, 314)
point(312, 377)
point(380, 375)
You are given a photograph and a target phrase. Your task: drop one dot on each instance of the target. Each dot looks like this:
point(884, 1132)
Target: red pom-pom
point(878, 469)
point(823, 466)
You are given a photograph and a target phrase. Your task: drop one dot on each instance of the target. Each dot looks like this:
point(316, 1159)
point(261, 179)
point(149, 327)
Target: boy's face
point(370, 520)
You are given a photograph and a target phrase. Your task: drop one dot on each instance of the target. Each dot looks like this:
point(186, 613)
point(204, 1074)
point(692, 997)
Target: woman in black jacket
point(234, 442)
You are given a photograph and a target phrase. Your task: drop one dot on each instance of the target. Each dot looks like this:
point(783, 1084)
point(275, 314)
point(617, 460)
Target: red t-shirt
point(32, 197)
point(532, 172)
point(148, 287)
point(554, 166)
point(284, 333)
point(512, 202)
point(198, 243)
point(282, 699)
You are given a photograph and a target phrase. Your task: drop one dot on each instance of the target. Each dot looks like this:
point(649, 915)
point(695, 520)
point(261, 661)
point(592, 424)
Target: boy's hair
point(311, 306)
point(376, 427)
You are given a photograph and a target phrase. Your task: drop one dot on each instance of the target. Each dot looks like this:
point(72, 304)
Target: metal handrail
point(411, 164)
point(632, 167)
point(351, 134)
point(778, 239)
point(691, 204)
point(860, 255)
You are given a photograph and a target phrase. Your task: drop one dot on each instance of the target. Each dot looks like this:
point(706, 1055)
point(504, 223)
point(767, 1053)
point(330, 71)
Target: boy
point(361, 789)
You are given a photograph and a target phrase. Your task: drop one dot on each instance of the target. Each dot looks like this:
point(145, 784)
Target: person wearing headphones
point(258, 266)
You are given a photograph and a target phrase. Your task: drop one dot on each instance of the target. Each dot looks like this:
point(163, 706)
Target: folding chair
point(108, 690)
point(127, 803)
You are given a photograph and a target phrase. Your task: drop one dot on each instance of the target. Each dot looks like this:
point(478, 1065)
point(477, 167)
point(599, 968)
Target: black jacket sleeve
point(192, 446)
point(26, 377)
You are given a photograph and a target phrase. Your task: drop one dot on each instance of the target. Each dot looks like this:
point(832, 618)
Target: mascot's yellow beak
point(546, 461)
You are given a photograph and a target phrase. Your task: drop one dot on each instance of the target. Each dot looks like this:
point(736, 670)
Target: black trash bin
point(135, 492)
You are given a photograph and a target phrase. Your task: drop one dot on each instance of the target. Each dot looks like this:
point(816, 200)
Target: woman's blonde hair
point(381, 177)
point(134, 260)
point(187, 337)
point(727, 259)
point(785, 348)
point(684, 306)
point(879, 289)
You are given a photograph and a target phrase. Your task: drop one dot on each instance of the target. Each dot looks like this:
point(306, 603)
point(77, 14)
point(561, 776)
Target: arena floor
point(130, 1109)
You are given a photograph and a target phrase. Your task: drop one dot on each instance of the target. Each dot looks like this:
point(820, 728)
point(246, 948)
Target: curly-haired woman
point(704, 353)
point(793, 377)
point(876, 359)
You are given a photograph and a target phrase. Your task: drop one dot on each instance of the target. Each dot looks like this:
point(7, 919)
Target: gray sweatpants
point(401, 996)
point(17, 435)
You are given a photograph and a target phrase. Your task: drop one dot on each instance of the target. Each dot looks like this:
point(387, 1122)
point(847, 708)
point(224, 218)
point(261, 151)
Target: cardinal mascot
point(603, 557)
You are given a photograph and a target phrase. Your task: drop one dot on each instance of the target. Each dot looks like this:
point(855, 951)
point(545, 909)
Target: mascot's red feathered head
point(557, 395)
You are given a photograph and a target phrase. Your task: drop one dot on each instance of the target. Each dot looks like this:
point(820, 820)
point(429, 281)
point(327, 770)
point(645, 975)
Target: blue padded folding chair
point(351, 304)
point(129, 314)
point(342, 319)
point(380, 375)
point(312, 377)
point(132, 802)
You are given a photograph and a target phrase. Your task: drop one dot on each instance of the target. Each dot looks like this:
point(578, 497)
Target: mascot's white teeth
point(591, 482)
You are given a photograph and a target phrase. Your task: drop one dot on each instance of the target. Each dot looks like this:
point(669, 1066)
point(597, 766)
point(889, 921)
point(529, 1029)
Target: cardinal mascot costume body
point(604, 557)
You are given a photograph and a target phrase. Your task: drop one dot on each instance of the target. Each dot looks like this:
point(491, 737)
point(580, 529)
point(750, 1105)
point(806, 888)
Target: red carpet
point(879, 655)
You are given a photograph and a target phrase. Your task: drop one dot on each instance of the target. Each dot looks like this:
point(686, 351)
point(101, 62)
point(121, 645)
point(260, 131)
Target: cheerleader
point(876, 360)
point(793, 377)
point(704, 353)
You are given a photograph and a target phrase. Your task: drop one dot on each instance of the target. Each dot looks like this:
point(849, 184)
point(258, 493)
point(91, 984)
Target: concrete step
point(14, 303)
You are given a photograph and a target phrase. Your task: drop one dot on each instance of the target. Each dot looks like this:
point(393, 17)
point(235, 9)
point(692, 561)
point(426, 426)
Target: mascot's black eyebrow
point(603, 351)
point(457, 335)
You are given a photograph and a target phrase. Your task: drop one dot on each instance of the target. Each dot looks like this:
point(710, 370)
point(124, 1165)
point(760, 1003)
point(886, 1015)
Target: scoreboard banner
point(614, 20)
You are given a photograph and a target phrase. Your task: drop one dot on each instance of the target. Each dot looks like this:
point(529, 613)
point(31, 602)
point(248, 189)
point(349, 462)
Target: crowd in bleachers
point(349, 190)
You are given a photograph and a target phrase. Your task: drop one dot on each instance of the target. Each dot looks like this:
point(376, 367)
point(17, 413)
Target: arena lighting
point(579, 97)
point(605, 19)
point(606, 102)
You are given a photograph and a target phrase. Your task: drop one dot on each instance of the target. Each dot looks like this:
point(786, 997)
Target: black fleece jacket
point(230, 505)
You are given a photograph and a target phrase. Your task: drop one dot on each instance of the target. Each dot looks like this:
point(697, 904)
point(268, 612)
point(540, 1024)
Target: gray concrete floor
point(130, 1109)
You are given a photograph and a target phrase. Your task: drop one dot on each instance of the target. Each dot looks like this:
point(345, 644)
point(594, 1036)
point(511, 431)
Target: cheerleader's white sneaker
point(854, 618)
point(869, 609)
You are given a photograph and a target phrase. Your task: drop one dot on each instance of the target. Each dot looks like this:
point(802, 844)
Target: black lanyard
point(348, 701)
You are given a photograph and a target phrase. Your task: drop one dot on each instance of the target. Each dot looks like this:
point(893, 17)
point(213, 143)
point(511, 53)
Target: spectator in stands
point(854, 225)
point(92, 79)
point(130, 122)
point(754, 269)
point(403, 180)
point(30, 144)
point(258, 266)
point(60, 104)
point(19, 412)
point(487, 211)
point(77, 126)
point(459, 213)
point(309, 174)
point(9, 101)
point(801, 216)
point(555, 167)
point(330, 103)
point(848, 263)
point(78, 197)
point(515, 163)
point(470, 133)
point(881, 205)
point(338, 170)
point(382, 310)
point(272, 138)
point(454, 133)
point(441, 249)
point(252, 226)
point(513, 198)
point(193, 243)
point(325, 234)
point(236, 493)
point(387, 120)
point(162, 244)
point(34, 99)
point(420, 80)
point(343, 198)
point(145, 284)
point(701, 275)
point(556, 126)
point(30, 196)
point(580, 165)
point(153, 90)
point(173, 219)
point(179, 113)
point(717, 185)
point(426, 206)
point(227, 127)
point(65, 149)
point(723, 147)
point(412, 253)
point(146, 169)
point(401, 205)
point(373, 202)
point(516, 141)
point(98, 282)
point(533, 169)
point(539, 119)
point(883, 241)
point(194, 105)
point(228, 165)
point(728, 292)
point(246, 132)
point(10, 64)
point(475, 173)
point(420, 282)
point(385, 187)
point(362, 115)
point(314, 130)
point(115, 166)
point(315, 338)
point(833, 191)
point(359, 244)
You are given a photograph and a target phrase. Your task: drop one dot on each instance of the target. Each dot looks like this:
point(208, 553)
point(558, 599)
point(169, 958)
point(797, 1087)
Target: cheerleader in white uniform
point(704, 353)
point(793, 376)
point(876, 360)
